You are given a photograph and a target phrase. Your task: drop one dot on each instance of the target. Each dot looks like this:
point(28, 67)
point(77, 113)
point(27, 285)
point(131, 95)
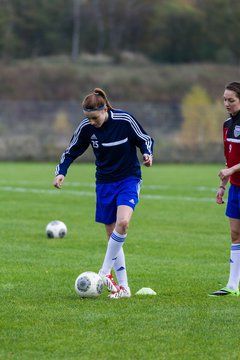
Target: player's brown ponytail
point(96, 100)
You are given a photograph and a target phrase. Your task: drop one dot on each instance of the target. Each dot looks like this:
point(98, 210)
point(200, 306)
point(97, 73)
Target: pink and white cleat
point(121, 293)
point(109, 282)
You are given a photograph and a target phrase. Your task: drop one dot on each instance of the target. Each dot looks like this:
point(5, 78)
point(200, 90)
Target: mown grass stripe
point(88, 193)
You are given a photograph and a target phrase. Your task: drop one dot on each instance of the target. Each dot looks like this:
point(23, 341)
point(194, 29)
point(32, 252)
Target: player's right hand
point(58, 181)
point(219, 196)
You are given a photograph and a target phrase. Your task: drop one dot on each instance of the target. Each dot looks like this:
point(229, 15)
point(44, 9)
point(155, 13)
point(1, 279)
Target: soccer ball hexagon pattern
point(89, 284)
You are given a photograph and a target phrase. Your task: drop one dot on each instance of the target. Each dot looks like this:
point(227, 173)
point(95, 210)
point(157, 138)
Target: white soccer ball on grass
point(89, 285)
point(56, 229)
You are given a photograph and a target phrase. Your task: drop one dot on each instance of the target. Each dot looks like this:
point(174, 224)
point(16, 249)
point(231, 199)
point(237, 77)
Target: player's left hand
point(147, 160)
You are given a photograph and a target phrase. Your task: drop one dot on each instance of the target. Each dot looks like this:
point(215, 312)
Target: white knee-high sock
point(234, 277)
point(120, 269)
point(115, 244)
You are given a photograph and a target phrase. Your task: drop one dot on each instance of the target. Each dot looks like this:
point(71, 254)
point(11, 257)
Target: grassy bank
point(132, 79)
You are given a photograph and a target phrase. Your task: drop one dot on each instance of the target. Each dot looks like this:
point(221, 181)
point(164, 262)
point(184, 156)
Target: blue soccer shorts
point(110, 196)
point(233, 204)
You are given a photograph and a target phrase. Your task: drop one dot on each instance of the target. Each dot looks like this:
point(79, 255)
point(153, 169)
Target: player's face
point(231, 102)
point(97, 118)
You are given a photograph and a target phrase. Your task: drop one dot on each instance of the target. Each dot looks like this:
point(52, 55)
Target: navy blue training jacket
point(114, 145)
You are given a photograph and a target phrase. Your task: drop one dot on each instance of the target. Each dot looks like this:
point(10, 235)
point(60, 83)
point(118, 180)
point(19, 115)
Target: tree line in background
point(166, 31)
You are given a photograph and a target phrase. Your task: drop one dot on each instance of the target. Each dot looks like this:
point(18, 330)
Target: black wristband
point(222, 187)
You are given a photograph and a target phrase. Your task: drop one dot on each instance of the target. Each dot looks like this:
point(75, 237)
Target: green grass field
point(178, 245)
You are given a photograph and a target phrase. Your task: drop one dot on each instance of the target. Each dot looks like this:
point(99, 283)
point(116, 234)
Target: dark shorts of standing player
point(233, 204)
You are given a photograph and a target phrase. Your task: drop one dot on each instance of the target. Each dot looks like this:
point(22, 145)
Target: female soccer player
point(114, 136)
point(231, 137)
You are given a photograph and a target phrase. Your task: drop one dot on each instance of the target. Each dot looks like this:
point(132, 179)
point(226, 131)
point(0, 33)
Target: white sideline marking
point(45, 191)
point(88, 193)
point(92, 185)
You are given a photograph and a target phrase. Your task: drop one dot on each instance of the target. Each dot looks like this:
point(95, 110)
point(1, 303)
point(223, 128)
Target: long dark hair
point(234, 86)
